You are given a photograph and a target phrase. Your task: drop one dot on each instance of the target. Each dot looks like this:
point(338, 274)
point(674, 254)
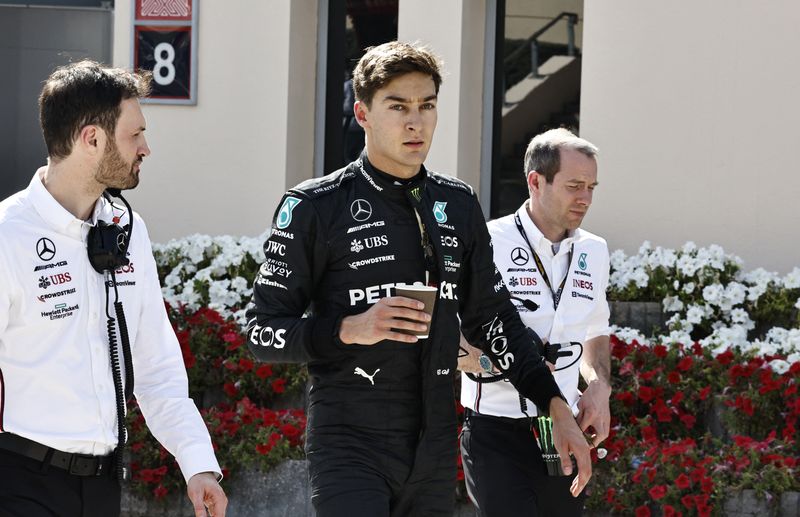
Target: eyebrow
point(397, 98)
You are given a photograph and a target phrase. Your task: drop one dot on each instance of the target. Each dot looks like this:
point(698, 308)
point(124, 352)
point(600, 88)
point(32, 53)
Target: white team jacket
point(582, 312)
point(55, 377)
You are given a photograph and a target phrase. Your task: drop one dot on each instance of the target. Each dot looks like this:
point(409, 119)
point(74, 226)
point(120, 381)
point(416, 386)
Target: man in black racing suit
point(381, 436)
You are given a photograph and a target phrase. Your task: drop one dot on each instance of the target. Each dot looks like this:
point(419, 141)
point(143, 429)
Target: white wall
point(695, 109)
point(220, 167)
point(454, 30)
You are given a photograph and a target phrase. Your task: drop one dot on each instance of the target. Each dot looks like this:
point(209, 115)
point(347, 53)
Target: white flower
point(779, 366)
point(695, 314)
point(792, 280)
point(725, 337)
point(687, 265)
point(741, 317)
point(672, 304)
point(713, 294)
point(628, 335)
point(797, 305)
point(689, 247)
point(688, 288)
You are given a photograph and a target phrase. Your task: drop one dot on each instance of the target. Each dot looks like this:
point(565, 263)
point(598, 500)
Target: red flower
point(688, 420)
point(707, 485)
point(725, 358)
point(234, 340)
point(230, 389)
point(290, 431)
point(685, 363)
point(264, 371)
point(670, 511)
point(704, 392)
point(646, 394)
point(688, 501)
point(643, 511)
point(279, 385)
point(683, 482)
point(673, 377)
point(159, 492)
point(657, 492)
point(263, 448)
point(610, 493)
point(660, 351)
point(625, 397)
point(245, 364)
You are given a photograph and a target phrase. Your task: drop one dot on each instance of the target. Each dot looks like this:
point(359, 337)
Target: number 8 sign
point(164, 42)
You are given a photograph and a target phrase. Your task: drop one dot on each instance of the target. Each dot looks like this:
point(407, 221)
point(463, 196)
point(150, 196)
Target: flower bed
point(730, 353)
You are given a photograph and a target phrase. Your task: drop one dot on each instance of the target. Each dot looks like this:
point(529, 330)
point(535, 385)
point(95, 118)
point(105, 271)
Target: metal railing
point(532, 41)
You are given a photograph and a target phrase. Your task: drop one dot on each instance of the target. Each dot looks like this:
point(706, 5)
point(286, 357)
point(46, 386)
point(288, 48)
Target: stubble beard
point(114, 172)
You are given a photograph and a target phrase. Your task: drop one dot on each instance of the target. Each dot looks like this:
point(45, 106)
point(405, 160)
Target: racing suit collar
point(386, 183)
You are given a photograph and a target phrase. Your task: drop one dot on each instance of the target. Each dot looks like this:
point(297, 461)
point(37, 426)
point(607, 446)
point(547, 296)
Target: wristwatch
point(485, 363)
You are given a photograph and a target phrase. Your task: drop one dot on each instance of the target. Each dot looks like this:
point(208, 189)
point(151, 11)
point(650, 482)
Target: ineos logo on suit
point(450, 241)
point(45, 249)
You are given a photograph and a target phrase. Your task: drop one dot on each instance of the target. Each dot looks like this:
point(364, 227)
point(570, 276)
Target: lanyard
point(556, 294)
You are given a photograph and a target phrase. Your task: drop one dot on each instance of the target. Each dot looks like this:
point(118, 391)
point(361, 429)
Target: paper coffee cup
point(422, 293)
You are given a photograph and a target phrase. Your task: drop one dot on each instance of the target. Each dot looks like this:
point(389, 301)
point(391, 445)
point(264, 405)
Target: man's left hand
point(204, 492)
point(594, 411)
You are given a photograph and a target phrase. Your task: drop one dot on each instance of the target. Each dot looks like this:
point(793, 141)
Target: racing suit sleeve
point(296, 257)
point(490, 321)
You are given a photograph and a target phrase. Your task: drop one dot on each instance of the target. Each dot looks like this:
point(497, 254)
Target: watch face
point(485, 363)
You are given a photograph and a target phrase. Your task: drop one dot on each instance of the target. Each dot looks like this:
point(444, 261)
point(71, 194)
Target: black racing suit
point(381, 419)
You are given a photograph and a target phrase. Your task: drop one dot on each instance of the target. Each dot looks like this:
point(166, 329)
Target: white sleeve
point(160, 382)
point(597, 323)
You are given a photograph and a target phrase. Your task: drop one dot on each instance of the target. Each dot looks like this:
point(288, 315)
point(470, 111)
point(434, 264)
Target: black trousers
point(30, 488)
point(355, 473)
point(506, 475)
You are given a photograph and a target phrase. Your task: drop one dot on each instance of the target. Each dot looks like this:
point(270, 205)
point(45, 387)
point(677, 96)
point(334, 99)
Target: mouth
point(414, 144)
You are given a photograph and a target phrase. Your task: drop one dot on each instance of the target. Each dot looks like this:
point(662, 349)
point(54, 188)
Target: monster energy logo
point(416, 193)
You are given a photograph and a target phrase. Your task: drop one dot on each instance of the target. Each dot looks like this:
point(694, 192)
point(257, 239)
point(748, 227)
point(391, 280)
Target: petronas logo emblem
point(285, 213)
point(438, 211)
point(582, 262)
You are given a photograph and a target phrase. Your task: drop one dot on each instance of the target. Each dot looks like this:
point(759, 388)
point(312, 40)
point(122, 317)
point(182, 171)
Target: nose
point(144, 150)
point(413, 120)
point(585, 197)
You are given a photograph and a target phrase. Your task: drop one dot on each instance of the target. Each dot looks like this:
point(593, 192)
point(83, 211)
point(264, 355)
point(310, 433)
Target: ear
point(92, 139)
point(361, 112)
point(534, 180)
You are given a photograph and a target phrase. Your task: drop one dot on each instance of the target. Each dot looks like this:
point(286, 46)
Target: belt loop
point(48, 457)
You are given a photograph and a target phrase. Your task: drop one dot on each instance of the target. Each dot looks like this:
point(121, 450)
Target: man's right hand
point(568, 438)
point(376, 323)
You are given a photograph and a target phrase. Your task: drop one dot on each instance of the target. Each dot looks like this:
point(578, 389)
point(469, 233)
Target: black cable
point(117, 376)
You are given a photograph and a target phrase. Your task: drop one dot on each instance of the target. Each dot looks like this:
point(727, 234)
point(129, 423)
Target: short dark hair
point(544, 151)
point(381, 64)
point(83, 93)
